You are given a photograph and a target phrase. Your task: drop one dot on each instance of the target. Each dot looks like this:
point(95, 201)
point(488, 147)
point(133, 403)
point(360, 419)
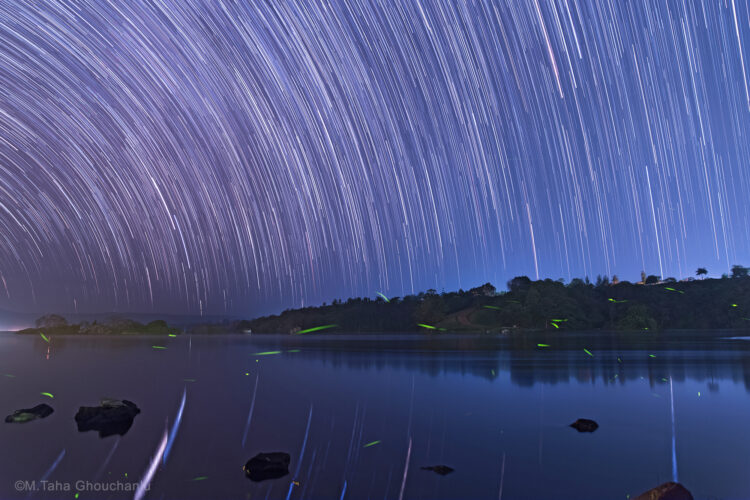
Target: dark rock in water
point(666, 491)
point(584, 425)
point(443, 470)
point(267, 466)
point(29, 414)
point(111, 417)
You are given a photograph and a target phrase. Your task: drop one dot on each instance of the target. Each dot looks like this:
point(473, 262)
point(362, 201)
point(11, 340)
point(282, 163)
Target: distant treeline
point(54, 324)
point(652, 304)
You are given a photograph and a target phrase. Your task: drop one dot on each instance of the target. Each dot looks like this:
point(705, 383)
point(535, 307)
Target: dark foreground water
point(496, 410)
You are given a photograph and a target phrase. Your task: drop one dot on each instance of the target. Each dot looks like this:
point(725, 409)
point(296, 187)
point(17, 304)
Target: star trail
point(243, 157)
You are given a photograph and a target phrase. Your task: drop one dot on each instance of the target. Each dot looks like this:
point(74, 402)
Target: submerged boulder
point(584, 425)
point(666, 491)
point(111, 417)
point(29, 414)
point(267, 466)
point(443, 470)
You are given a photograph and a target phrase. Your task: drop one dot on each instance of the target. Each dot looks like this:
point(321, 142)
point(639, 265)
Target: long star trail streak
point(144, 484)
point(295, 477)
point(674, 441)
point(52, 467)
point(175, 428)
point(106, 461)
point(250, 412)
point(243, 157)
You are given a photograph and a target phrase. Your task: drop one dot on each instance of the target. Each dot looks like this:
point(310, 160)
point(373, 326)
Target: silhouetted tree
point(519, 283)
point(51, 321)
point(652, 279)
point(701, 271)
point(487, 290)
point(739, 271)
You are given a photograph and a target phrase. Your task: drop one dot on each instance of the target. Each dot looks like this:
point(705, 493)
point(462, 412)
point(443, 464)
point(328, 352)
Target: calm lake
point(497, 410)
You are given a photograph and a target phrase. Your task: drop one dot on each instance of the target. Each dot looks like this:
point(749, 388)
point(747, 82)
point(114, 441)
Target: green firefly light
point(316, 329)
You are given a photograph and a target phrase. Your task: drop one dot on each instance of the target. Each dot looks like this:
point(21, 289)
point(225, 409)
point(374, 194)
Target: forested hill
point(527, 305)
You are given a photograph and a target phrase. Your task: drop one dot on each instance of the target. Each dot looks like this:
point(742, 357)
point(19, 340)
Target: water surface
point(496, 410)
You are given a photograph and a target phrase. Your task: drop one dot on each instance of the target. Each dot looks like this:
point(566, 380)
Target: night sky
point(247, 156)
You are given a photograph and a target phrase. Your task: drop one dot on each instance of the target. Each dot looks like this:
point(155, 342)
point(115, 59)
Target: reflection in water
point(149, 475)
point(705, 361)
point(624, 358)
point(175, 426)
point(295, 479)
point(250, 413)
point(103, 467)
point(406, 470)
point(674, 440)
point(496, 410)
point(53, 467)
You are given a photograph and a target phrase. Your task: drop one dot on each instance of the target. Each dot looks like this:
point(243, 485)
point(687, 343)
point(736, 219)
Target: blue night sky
point(247, 156)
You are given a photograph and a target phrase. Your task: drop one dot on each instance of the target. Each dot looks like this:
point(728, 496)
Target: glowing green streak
point(542, 345)
point(616, 301)
point(267, 353)
point(588, 352)
point(172, 335)
point(559, 320)
point(158, 347)
point(371, 444)
point(734, 305)
point(200, 478)
point(316, 329)
point(44, 337)
point(384, 297)
point(492, 307)
point(651, 356)
point(47, 394)
point(427, 326)
point(294, 350)
point(555, 325)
